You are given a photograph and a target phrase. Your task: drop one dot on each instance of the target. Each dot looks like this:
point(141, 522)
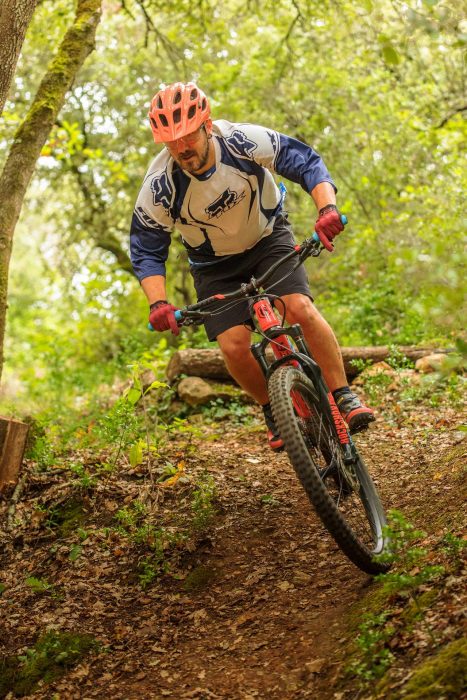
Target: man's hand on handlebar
point(328, 225)
point(162, 316)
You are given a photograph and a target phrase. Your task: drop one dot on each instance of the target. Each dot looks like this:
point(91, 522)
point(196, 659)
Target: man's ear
point(208, 127)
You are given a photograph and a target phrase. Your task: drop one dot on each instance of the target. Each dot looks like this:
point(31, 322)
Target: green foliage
point(454, 547)
point(411, 571)
point(139, 526)
point(374, 656)
point(434, 389)
point(202, 503)
point(441, 676)
point(397, 359)
point(85, 480)
point(222, 409)
point(42, 452)
point(65, 518)
point(75, 552)
point(38, 585)
point(379, 113)
point(52, 654)
point(267, 499)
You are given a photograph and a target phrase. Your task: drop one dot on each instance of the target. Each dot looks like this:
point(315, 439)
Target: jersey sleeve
point(151, 226)
point(284, 155)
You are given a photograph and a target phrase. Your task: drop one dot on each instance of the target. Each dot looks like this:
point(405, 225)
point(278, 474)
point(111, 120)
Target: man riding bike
point(213, 182)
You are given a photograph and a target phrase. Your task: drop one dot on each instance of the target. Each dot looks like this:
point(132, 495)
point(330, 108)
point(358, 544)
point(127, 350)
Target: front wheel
point(338, 485)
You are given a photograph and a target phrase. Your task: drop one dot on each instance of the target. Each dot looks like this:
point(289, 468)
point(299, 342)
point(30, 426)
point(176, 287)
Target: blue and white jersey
point(226, 210)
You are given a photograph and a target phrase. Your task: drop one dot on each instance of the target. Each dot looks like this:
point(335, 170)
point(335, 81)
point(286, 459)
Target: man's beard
point(198, 162)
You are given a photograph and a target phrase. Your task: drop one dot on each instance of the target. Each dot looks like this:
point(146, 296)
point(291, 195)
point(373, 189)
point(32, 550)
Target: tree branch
point(449, 116)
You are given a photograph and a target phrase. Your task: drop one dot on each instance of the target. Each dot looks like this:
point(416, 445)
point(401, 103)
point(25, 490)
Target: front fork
point(278, 338)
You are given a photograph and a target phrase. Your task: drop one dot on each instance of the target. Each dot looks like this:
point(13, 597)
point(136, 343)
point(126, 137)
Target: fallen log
point(209, 363)
point(13, 434)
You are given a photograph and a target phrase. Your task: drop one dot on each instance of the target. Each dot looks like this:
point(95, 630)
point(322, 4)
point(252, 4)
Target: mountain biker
point(213, 182)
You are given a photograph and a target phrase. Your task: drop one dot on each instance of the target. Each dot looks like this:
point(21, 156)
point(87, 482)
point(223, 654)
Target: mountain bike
point(316, 439)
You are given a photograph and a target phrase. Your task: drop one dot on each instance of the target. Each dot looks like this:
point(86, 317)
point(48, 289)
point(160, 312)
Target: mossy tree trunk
point(77, 44)
point(15, 16)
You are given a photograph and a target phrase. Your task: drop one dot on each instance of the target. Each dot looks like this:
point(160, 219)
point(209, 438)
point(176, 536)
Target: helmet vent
point(176, 111)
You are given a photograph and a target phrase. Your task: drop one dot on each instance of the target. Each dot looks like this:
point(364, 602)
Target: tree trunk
point(13, 436)
point(33, 132)
point(15, 16)
point(209, 363)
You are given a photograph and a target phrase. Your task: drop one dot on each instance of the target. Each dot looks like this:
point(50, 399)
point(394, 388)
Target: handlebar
point(310, 246)
point(344, 221)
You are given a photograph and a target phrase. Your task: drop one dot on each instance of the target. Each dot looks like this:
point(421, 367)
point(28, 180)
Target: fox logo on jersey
point(241, 145)
point(161, 191)
point(224, 202)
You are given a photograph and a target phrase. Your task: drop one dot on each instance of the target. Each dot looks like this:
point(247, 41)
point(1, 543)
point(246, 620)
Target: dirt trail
point(269, 617)
point(261, 614)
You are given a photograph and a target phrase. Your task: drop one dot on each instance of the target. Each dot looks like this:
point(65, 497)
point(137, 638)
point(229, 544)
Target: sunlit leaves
point(377, 88)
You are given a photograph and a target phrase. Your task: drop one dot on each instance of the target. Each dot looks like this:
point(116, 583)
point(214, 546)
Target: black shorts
point(227, 276)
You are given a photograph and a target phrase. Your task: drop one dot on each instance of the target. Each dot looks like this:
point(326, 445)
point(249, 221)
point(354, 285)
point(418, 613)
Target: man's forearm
point(323, 194)
point(154, 288)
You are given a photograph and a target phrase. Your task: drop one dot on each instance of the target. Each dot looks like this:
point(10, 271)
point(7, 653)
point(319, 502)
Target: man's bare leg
point(326, 351)
point(235, 347)
point(320, 338)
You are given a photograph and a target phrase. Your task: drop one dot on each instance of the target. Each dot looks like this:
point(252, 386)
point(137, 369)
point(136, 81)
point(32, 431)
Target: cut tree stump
point(209, 363)
point(13, 434)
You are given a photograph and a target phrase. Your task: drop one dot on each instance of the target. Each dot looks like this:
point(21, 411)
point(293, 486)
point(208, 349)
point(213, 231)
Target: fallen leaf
point(284, 585)
point(301, 577)
point(315, 666)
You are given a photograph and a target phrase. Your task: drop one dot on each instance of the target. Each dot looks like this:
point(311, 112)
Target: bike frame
point(278, 337)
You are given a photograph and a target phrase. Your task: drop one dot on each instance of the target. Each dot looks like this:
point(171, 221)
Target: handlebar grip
point(344, 221)
point(178, 317)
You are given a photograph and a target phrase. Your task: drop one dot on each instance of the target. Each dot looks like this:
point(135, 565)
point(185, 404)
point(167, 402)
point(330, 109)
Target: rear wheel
point(338, 485)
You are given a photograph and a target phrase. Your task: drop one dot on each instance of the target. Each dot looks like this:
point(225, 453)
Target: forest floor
point(255, 601)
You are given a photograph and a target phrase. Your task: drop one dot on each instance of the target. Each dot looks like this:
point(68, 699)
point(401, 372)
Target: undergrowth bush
point(405, 592)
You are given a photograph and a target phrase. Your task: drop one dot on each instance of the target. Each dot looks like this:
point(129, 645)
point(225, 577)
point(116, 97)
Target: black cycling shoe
point(274, 439)
point(356, 415)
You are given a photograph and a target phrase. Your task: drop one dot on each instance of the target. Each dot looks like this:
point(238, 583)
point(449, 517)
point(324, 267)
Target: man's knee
point(235, 344)
point(300, 309)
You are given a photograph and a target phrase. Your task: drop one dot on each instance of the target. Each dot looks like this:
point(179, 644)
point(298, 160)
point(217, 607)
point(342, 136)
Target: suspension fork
point(267, 321)
point(281, 346)
point(263, 311)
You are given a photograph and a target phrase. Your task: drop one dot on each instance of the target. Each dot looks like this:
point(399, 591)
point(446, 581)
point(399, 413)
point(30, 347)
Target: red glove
point(328, 225)
point(162, 317)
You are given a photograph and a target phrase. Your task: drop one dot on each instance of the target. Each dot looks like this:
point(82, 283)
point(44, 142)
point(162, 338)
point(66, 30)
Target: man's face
point(191, 152)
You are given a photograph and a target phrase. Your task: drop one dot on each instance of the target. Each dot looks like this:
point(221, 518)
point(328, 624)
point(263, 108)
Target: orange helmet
point(177, 110)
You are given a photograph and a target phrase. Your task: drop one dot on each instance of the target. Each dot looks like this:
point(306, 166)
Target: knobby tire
point(344, 497)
